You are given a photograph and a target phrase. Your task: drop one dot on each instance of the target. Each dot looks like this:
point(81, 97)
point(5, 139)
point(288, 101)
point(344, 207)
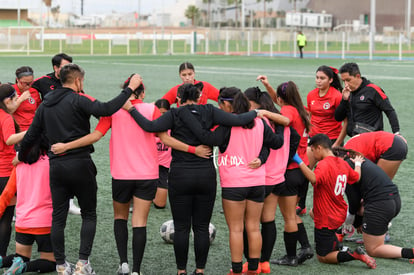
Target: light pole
point(372, 29)
point(408, 23)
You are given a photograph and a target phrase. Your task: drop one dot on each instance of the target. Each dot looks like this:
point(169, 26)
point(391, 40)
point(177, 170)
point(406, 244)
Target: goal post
point(21, 39)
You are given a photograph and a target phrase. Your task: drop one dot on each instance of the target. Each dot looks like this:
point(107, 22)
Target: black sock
point(8, 260)
point(139, 239)
point(121, 239)
point(158, 207)
point(253, 264)
point(407, 253)
point(245, 245)
point(25, 259)
point(291, 239)
point(303, 236)
point(269, 238)
point(344, 256)
point(237, 267)
point(41, 266)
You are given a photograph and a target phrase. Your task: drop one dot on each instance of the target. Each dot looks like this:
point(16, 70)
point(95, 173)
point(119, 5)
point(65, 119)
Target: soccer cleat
point(123, 269)
point(18, 266)
point(286, 260)
point(411, 261)
point(139, 273)
point(246, 268)
point(1, 261)
point(196, 273)
point(360, 255)
point(305, 254)
point(300, 211)
point(83, 268)
point(264, 267)
point(64, 269)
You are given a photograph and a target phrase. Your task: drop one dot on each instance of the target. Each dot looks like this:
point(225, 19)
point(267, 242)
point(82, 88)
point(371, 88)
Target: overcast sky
point(107, 6)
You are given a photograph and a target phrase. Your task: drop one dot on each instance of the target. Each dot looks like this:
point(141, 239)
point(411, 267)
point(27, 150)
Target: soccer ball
point(167, 231)
point(212, 232)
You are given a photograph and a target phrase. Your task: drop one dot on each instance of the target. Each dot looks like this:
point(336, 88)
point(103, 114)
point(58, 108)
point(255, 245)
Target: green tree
point(192, 12)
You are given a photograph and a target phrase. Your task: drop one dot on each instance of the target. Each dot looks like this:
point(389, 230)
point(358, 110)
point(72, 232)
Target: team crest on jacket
point(31, 100)
point(362, 97)
point(326, 105)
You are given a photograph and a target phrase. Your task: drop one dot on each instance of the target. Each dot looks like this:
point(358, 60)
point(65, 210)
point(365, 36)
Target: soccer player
point(51, 82)
point(377, 198)
point(275, 166)
point(164, 158)
point(187, 75)
point(28, 100)
point(243, 186)
point(385, 149)
point(64, 116)
point(33, 212)
point(330, 178)
point(363, 103)
point(288, 98)
point(10, 135)
point(322, 102)
point(192, 180)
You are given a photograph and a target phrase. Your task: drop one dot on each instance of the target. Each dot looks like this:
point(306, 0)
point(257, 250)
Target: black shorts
point(44, 243)
point(397, 151)
point(378, 214)
point(325, 241)
point(294, 182)
point(269, 190)
point(253, 193)
point(162, 181)
point(123, 190)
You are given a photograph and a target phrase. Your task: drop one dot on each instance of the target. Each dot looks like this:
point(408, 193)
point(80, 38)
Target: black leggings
point(70, 176)
point(192, 193)
point(5, 222)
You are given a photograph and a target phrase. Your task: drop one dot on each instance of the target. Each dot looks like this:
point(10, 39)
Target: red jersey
point(372, 145)
point(322, 110)
point(296, 122)
point(7, 152)
point(208, 92)
point(329, 207)
point(27, 109)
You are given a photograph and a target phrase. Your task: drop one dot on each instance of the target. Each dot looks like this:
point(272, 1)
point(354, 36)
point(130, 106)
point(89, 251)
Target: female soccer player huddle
point(265, 160)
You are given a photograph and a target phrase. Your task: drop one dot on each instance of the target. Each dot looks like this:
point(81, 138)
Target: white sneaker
point(64, 269)
point(123, 269)
point(73, 209)
point(84, 268)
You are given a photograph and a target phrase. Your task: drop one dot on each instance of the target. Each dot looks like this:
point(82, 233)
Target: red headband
point(335, 70)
